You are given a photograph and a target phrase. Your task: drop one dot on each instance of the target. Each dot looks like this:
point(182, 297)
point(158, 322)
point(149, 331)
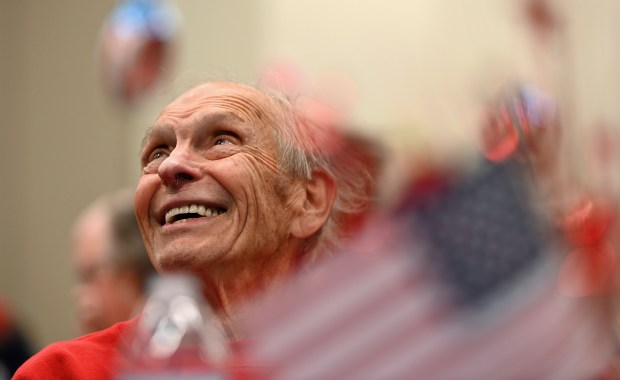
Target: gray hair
point(352, 160)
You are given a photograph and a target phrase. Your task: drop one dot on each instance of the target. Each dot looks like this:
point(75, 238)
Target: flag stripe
point(371, 323)
point(344, 298)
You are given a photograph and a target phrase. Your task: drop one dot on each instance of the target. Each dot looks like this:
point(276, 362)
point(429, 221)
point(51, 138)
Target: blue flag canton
point(481, 231)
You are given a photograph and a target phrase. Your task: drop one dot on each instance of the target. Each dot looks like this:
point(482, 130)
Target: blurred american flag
point(457, 283)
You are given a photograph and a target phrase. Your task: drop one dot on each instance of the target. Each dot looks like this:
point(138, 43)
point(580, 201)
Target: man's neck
point(229, 293)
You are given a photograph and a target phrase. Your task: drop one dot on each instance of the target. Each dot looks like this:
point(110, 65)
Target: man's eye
point(225, 137)
point(152, 161)
point(222, 142)
point(157, 154)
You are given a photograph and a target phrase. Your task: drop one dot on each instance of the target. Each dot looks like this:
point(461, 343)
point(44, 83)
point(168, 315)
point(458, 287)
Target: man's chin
point(182, 261)
point(173, 263)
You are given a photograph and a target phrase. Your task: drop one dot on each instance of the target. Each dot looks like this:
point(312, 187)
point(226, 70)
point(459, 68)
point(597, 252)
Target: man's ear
point(318, 197)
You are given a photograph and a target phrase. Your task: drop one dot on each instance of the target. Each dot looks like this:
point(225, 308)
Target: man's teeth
point(190, 209)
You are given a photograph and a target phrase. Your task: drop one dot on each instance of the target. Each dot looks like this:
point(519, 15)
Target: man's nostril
point(182, 177)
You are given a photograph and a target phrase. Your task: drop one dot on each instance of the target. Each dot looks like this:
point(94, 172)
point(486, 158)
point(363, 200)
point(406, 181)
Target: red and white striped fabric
point(385, 309)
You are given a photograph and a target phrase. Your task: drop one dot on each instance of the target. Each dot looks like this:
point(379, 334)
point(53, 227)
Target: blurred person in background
point(110, 262)
point(240, 188)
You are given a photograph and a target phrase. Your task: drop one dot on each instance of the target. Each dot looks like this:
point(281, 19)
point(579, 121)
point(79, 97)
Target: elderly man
point(239, 188)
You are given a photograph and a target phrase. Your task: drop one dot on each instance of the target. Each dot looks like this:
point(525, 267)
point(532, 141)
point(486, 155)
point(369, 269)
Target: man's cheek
point(144, 194)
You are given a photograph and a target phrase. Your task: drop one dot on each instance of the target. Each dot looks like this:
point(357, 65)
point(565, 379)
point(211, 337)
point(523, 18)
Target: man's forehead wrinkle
point(248, 103)
point(243, 108)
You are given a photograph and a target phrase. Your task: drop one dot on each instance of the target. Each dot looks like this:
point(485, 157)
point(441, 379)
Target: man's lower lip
point(188, 222)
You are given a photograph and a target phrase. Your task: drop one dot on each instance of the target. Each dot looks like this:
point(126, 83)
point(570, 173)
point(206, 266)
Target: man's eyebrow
point(209, 118)
point(147, 135)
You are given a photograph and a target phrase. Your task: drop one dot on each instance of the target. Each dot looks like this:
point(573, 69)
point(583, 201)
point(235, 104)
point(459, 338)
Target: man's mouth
point(191, 211)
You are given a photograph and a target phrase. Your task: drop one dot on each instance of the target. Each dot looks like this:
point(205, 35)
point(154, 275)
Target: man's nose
point(178, 168)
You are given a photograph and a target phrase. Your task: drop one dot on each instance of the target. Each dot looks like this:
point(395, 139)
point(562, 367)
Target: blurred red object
point(588, 271)
point(587, 221)
point(541, 17)
point(499, 135)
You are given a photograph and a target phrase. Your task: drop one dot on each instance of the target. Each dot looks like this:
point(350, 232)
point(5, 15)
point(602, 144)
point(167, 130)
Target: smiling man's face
point(211, 192)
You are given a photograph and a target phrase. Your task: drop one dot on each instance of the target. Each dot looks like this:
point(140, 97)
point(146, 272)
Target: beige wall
point(12, 226)
point(61, 151)
point(417, 68)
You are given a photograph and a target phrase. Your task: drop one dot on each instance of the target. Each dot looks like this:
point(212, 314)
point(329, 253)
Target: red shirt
point(94, 356)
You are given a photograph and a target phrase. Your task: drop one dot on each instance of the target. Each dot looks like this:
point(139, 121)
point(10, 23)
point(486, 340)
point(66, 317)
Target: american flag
point(458, 283)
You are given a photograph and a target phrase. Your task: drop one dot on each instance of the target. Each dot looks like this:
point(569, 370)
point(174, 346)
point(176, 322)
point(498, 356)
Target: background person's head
point(238, 186)
point(110, 262)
